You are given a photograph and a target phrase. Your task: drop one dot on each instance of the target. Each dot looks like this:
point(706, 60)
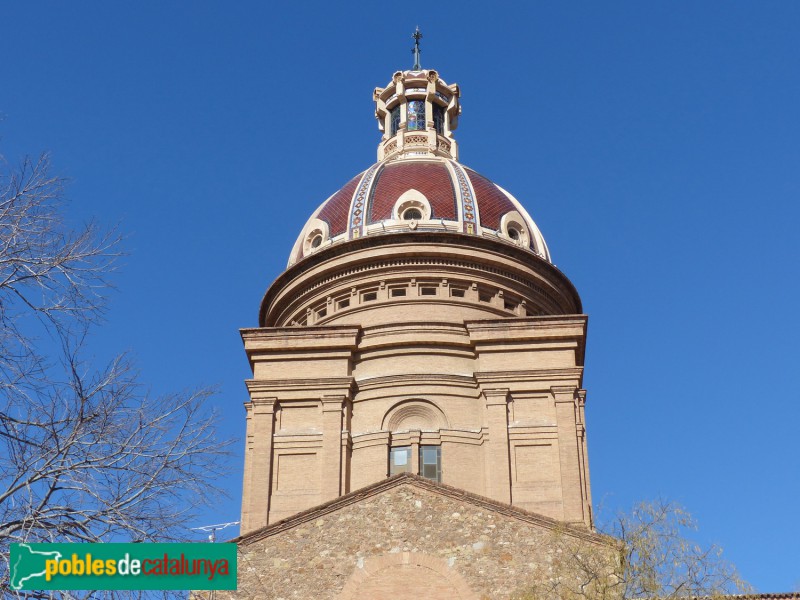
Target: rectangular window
point(343, 303)
point(457, 292)
point(369, 296)
point(430, 462)
point(427, 291)
point(398, 292)
point(415, 115)
point(395, 119)
point(438, 118)
point(399, 460)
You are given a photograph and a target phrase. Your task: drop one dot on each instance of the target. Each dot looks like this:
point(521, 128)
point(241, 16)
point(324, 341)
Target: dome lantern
point(417, 113)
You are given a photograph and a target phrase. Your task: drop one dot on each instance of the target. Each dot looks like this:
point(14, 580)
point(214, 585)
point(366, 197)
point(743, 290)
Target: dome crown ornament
point(415, 50)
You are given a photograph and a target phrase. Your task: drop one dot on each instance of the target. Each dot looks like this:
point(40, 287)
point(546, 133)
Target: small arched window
point(412, 214)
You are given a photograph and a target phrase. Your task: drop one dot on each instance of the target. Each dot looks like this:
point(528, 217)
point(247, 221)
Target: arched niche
point(415, 414)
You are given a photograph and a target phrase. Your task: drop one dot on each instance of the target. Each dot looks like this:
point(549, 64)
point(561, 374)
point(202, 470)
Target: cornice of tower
point(497, 279)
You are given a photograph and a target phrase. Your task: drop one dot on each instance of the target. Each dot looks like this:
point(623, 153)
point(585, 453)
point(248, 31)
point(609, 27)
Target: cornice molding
point(448, 244)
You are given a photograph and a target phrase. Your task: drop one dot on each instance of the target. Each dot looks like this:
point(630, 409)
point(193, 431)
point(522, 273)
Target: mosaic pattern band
point(468, 207)
point(358, 207)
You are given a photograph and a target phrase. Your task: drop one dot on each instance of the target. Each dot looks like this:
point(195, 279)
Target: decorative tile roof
point(432, 179)
point(460, 201)
point(334, 211)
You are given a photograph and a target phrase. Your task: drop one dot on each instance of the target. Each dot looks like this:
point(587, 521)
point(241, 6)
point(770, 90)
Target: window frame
point(416, 464)
point(393, 470)
point(427, 448)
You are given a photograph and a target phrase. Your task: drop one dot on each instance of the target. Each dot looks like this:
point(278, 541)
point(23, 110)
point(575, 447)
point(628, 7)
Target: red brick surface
point(492, 203)
point(336, 210)
point(431, 179)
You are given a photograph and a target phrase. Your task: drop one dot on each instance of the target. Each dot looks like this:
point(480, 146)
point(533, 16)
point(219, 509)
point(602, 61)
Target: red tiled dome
point(449, 196)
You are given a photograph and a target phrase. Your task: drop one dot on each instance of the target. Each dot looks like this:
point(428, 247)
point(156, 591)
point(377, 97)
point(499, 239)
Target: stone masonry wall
point(316, 556)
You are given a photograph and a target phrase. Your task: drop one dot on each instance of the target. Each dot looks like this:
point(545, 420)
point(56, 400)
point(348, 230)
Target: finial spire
point(415, 50)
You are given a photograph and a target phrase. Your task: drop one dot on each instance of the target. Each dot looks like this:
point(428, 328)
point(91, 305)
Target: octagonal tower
point(419, 326)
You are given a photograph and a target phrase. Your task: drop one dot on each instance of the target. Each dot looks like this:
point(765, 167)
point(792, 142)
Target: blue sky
point(656, 144)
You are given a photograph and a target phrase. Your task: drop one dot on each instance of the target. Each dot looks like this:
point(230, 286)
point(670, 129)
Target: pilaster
point(347, 447)
point(258, 463)
point(498, 462)
point(331, 453)
point(570, 451)
point(587, 488)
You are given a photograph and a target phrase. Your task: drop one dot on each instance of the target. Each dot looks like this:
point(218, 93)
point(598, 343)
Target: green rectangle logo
point(199, 566)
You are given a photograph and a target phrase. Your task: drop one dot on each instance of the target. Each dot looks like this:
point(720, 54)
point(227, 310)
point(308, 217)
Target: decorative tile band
point(358, 208)
point(468, 208)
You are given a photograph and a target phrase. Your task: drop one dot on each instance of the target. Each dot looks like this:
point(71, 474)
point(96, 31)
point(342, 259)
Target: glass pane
point(429, 455)
point(438, 118)
point(399, 460)
point(416, 115)
point(395, 119)
point(430, 460)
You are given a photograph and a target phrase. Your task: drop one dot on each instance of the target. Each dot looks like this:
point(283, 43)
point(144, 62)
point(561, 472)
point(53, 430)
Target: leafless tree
point(50, 275)
point(655, 559)
point(86, 454)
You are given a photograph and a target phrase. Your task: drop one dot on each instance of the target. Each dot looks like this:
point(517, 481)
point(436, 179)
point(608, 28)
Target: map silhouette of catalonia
point(27, 563)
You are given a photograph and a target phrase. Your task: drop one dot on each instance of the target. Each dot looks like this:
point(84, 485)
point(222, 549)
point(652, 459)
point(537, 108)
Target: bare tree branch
point(655, 560)
point(86, 454)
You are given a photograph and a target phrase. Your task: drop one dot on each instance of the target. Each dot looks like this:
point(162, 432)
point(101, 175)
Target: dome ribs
point(335, 212)
point(430, 179)
point(465, 202)
point(492, 203)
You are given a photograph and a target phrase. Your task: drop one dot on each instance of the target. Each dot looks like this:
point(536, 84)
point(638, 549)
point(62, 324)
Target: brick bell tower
point(420, 326)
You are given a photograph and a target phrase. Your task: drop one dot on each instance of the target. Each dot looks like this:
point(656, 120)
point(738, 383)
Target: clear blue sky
point(656, 144)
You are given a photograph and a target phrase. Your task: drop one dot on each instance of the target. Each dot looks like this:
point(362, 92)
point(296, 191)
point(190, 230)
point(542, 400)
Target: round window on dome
point(315, 237)
point(412, 206)
point(412, 214)
point(512, 229)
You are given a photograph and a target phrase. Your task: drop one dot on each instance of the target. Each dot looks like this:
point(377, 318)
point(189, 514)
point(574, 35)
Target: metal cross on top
point(415, 50)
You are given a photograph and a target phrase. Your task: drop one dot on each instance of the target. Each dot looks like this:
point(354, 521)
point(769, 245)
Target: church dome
point(427, 193)
point(417, 232)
